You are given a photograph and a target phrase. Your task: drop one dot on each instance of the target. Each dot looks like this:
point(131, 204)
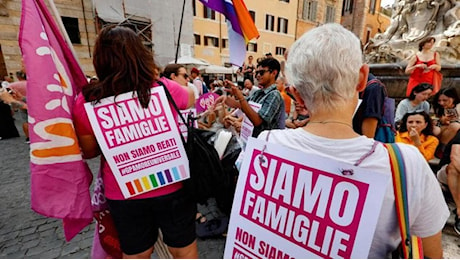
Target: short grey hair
point(324, 66)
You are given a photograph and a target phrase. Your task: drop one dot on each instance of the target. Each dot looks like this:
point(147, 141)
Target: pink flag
point(60, 179)
point(205, 101)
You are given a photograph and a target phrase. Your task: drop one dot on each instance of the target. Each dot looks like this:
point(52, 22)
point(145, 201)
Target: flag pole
point(58, 20)
point(180, 32)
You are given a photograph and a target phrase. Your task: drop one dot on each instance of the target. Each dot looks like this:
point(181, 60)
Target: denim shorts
point(137, 221)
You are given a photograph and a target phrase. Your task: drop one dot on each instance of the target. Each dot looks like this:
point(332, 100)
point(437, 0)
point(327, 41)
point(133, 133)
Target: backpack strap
point(411, 246)
point(171, 101)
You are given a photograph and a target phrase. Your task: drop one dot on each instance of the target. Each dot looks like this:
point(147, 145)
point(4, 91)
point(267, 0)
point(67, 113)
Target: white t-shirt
point(198, 85)
point(405, 106)
point(427, 209)
point(253, 89)
point(195, 91)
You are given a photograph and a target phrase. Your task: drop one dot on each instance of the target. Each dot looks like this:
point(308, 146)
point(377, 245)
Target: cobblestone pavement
point(26, 234)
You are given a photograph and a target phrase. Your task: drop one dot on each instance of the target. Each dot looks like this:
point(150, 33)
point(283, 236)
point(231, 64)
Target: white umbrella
point(214, 69)
point(187, 60)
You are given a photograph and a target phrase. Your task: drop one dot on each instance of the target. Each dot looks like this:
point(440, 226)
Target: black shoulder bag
point(207, 177)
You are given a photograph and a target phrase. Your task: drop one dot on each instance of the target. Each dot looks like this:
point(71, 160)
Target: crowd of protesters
point(312, 108)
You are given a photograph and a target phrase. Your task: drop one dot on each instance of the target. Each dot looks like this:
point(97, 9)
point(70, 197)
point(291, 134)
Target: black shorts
point(137, 221)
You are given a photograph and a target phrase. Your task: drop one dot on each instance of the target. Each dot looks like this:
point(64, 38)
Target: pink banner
point(142, 145)
point(205, 101)
point(293, 204)
point(307, 198)
point(59, 178)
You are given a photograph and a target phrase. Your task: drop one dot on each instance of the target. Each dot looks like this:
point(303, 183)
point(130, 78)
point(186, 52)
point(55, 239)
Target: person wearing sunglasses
point(178, 73)
point(415, 101)
point(271, 112)
point(417, 130)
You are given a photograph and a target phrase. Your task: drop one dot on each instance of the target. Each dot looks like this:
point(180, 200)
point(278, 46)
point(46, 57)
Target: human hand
point(435, 121)
point(421, 66)
point(17, 95)
point(301, 123)
point(445, 120)
point(414, 136)
point(451, 114)
point(6, 97)
point(218, 101)
point(228, 121)
point(237, 125)
point(433, 67)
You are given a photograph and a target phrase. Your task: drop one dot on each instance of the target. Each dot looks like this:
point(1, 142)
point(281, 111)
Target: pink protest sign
point(205, 101)
point(142, 146)
point(290, 204)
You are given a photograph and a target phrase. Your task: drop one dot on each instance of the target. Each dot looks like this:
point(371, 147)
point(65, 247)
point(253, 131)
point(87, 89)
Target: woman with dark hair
point(423, 64)
point(124, 65)
point(417, 129)
point(415, 101)
point(446, 106)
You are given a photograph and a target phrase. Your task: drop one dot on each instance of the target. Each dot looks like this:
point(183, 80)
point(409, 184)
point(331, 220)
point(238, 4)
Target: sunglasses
point(262, 72)
point(184, 75)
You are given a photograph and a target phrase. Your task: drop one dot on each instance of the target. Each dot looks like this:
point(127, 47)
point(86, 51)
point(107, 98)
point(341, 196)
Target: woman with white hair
point(326, 70)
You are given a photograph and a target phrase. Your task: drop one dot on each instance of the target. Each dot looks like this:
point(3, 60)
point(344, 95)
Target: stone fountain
point(412, 21)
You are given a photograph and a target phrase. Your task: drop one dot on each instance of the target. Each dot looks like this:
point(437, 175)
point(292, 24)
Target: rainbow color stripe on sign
point(156, 180)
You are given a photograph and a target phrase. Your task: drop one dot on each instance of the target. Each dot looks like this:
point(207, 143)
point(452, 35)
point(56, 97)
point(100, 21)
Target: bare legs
point(187, 252)
point(448, 132)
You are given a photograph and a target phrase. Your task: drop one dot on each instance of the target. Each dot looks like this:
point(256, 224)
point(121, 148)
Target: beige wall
point(215, 28)
point(305, 25)
point(374, 23)
point(268, 40)
point(9, 29)
point(361, 21)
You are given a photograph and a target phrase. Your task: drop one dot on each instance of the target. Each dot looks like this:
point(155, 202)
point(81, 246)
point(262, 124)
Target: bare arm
point(89, 146)
point(432, 246)
point(454, 164)
point(411, 66)
point(369, 126)
point(246, 108)
point(436, 66)
point(191, 97)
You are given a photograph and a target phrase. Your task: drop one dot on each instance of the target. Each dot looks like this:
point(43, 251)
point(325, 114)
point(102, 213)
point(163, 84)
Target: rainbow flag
point(241, 27)
point(60, 178)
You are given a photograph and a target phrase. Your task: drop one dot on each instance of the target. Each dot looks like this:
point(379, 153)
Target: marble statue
point(411, 22)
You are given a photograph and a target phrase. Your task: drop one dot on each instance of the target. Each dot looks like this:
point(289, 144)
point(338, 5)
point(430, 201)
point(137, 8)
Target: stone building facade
point(275, 20)
point(156, 21)
point(364, 18)
point(204, 33)
point(78, 17)
point(312, 13)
